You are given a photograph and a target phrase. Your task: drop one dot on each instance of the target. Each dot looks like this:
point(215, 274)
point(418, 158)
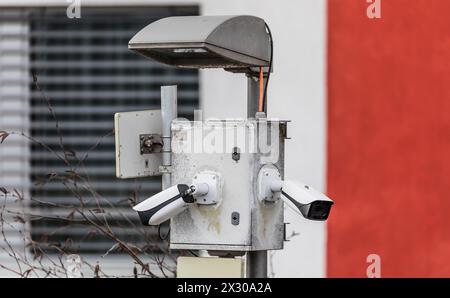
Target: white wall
point(14, 110)
point(296, 92)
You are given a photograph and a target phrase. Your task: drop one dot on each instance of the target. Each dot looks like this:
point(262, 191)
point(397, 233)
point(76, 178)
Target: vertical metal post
point(256, 260)
point(252, 96)
point(257, 264)
point(168, 113)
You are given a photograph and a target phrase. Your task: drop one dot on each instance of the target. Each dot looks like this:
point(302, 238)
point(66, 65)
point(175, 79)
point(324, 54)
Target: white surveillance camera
point(166, 204)
point(312, 204)
point(172, 201)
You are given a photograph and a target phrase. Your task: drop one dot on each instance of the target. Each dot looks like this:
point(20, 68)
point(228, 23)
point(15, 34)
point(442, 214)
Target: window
point(86, 72)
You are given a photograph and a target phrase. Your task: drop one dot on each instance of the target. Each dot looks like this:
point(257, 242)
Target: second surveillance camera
point(312, 204)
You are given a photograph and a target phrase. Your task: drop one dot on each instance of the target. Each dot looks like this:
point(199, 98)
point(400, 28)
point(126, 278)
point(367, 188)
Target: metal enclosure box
point(240, 221)
point(128, 127)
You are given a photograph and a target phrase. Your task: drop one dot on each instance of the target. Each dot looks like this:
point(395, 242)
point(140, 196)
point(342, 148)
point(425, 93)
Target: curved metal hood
point(231, 42)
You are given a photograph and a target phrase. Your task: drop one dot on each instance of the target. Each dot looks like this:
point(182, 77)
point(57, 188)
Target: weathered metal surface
point(211, 227)
point(129, 126)
point(235, 43)
point(169, 108)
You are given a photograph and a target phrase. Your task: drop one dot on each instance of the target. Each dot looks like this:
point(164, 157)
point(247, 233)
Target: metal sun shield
point(231, 42)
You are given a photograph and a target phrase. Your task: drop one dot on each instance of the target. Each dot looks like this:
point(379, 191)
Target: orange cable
point(261, 89)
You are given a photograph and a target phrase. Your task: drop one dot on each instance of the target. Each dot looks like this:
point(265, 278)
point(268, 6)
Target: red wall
point(389, 138)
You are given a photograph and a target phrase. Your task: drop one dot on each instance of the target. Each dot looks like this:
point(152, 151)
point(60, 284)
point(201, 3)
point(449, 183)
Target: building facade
point(298, 82)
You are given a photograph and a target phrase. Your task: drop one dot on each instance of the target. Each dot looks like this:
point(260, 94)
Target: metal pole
point(257, 264)
point(252, 96)
point(256, 260)
point(168, 113)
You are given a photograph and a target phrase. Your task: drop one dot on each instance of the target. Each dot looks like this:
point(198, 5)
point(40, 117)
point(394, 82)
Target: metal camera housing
point(164, 205)
point(312, 204)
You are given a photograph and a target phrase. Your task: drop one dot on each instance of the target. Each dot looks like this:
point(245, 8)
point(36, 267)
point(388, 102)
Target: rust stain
point(212, 215)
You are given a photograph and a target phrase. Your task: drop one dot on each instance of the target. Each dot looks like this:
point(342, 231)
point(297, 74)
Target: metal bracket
point(285, 231)
point(213, 181)
point(267, 174)
point(151, 143)
point(283, 129)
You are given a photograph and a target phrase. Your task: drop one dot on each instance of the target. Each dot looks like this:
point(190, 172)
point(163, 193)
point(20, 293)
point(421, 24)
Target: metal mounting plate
point(129, 127)
point(213, 180)
point(267, 174)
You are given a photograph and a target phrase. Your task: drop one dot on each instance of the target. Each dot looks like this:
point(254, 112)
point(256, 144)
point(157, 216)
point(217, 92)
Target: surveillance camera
point(166, 204)
point(312, 204)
